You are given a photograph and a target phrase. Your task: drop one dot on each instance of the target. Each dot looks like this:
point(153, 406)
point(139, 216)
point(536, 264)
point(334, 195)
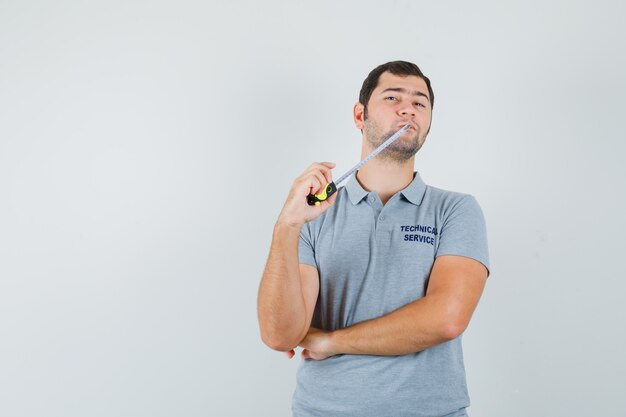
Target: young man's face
point(396, 101)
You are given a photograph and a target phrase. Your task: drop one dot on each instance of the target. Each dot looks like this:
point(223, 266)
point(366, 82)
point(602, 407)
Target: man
point(377, 283)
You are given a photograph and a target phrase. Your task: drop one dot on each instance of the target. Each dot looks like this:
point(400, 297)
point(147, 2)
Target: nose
point(406, 110)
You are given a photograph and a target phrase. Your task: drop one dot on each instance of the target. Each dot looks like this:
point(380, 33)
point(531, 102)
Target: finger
point(323, 182)
point(321, 170)
point(324, 168)
point(316, 181)
point(328, 173)
point(309, 183)
point(305, 354)
point(322, 165)
point(290, 353)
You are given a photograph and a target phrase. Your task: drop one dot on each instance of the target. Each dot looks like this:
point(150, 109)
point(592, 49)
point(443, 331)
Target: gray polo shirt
point(373, 259)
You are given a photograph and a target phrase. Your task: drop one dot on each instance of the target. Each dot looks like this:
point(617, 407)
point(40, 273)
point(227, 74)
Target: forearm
point(412, 328)
point(281, 308)
point(454, 289)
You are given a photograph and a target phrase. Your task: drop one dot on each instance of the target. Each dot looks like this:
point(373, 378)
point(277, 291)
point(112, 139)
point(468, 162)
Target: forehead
point(410, 82)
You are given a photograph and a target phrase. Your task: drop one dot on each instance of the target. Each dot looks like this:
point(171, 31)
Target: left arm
point(454, 289)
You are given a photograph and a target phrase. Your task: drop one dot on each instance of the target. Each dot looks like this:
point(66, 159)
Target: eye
point(417, 103)
point(391, 98)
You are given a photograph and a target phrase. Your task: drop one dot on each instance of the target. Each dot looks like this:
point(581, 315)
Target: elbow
point(453, 321)
point(277, 342)
point(280, 336)
point(451, 329)
point(278, 345)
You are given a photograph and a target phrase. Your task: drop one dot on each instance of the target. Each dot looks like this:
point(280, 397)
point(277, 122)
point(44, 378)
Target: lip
point(411, 124)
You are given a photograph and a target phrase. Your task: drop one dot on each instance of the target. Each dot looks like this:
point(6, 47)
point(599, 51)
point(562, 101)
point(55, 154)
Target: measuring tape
point(316, 199)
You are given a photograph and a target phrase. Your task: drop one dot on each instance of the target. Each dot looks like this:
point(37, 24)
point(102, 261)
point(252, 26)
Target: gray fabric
point(373, 259)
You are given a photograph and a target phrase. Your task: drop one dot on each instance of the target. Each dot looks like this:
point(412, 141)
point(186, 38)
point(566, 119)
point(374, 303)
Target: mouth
point(412, 125)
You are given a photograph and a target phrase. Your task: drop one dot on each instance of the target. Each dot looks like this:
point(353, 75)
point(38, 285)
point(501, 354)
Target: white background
point(146, 148)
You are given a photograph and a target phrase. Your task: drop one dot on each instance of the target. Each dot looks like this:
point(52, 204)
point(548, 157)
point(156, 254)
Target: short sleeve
point(464, 232)
point(306, 251)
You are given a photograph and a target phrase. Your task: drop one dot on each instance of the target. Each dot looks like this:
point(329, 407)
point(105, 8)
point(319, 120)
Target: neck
point(385, 177)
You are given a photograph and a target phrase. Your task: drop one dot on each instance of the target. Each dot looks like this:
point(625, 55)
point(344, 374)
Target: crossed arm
point(288, 294)
point(454, 289)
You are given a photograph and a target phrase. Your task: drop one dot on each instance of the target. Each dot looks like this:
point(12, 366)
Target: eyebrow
point(405, 91)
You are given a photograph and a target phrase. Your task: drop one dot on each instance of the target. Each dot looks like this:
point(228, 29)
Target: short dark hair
point(401, 68)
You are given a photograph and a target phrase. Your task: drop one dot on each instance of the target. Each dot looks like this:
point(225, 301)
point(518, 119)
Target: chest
point(381, 254)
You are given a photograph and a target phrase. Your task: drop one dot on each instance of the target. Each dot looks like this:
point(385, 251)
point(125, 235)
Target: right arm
point(288, 290)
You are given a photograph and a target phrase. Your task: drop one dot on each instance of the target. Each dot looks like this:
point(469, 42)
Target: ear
point(358, 113)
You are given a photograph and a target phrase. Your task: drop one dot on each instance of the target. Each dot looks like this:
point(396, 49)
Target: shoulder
point(446, 200)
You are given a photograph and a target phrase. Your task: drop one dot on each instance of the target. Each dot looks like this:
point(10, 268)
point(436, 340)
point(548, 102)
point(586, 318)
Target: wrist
point(334, 343)
point(287, 225)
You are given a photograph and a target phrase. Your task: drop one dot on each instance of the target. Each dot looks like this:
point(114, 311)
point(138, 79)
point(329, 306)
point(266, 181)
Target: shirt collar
point(414, 192)
point(355, 191)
